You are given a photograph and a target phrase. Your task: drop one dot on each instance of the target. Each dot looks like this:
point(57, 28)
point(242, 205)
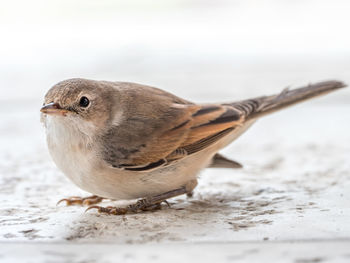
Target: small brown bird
point(122, 140)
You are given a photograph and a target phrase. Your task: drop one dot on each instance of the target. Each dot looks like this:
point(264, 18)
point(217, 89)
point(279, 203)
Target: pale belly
point(84, 168)
point(94, 176)
point(99, 179)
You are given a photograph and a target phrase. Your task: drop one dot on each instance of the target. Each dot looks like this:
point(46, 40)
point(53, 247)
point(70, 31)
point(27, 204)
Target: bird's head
point(83, 104)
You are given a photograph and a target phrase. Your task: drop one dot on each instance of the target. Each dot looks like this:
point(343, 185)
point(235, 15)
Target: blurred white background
point(200, 50)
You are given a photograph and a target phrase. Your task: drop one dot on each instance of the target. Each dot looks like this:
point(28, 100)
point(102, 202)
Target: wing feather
point(147, 139)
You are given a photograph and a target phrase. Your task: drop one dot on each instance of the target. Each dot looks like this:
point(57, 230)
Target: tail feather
point(257, 107)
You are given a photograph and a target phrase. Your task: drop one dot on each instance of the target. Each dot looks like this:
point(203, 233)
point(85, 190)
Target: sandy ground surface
point(291, 201)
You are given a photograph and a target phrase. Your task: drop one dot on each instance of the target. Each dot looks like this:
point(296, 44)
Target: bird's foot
point(139, 206)
point(76, 200)
point(147, 204)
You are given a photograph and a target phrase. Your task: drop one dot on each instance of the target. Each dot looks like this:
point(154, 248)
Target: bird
point(128, 141)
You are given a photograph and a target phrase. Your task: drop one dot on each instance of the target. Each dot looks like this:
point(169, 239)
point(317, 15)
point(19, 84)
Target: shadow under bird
point(120, 140)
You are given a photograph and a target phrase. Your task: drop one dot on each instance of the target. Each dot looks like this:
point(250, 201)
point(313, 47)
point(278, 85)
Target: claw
point(167, 203)
point(76, 200)
point(70, 201)
point(60, 201)
point(110, 210)
point(92, 207)
point(90, 201)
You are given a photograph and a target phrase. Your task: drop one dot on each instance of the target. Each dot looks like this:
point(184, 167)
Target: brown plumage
point(191, 128)
point(125, 140)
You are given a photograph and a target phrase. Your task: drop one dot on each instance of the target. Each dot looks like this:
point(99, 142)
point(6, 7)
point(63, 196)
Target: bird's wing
point(146, 143)
point(162, 128)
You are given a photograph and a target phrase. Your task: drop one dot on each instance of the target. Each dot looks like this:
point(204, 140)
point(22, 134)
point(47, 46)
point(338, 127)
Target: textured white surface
point(309, 252)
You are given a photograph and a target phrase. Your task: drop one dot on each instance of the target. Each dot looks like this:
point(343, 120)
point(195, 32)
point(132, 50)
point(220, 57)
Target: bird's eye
point(84, 102)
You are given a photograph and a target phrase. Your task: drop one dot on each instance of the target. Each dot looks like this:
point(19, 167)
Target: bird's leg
point(76, 200)
point(146, 204)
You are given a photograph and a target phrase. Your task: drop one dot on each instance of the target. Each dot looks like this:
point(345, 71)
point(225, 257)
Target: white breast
point(70, 149)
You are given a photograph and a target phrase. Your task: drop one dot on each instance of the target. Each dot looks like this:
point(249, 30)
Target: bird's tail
point(255, 108)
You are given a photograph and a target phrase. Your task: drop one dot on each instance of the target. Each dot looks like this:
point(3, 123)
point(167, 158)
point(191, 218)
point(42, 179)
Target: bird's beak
point(53, 109)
